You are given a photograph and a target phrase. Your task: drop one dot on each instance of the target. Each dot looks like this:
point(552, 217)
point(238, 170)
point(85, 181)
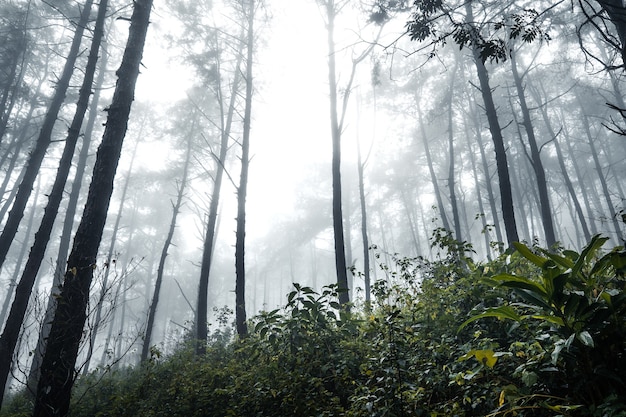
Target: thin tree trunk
point(8, 339)
point(58, 366)
point(340, 250)
point(431, 169)
point(240, 270)
point(211, 230)
point(38, 152)
point(537, 164)
point(506, 194)
point(451, 181)
point(364, 235)
point(161, 268)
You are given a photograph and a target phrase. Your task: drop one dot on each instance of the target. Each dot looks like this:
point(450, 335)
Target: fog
point(411, 113)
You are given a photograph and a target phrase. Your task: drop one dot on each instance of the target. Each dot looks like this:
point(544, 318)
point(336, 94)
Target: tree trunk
point(335, 128)
point(8, 339)
point(506, 195)
point(211, 230)
point(364, 236)
point(451, 181)
point(240, 270)
point(68, 224)
point(38, 152)
point(145, 350)
point(540, 174)
point(431, 169)
point(58, 366)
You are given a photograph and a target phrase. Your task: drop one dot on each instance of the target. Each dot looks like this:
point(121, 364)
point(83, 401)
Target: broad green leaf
point(589, 252)
point(486, 357)
point(561, 260)
point(528, 254)
point(502, 312)
point(550, 319)
point(514, 281)
point(534, 299)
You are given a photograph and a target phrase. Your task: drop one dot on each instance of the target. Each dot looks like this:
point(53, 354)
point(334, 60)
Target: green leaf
point(502, 312)
point(528, 254)
point(589, 252)
point(514, 281)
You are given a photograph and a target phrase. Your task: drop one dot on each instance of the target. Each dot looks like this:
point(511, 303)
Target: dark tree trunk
point(211, 230)
point(58, 366)
point(145, 350)
point(68, 225)
point(240, 270)
point(506, 194)
point(335, 128)
point(8, 339)
point(38, 152)
point(451, 167)
point(561, 160)
point(537, 164)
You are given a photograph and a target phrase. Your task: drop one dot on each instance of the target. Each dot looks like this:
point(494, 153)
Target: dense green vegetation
point(532, 333)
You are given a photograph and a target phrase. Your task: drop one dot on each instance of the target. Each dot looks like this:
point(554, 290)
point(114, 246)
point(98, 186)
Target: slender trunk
point(240, 270)
point(38, 152)
point(58, 366)
point(18, 264)
point(431, 169)
point(145, 350)
point(561, 160)
point(340, 251)
point(537, 164)
point(211, 230)
point(481, 208)
point(8, 339)
point(364, 236)
point(506, 194)
point(603, 183)
point(451, 181)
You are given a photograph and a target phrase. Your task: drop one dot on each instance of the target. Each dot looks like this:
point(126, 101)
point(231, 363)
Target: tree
point(44, 139)
point(240, 284)
point(9, 337)
point(57, 369)
point(166, 245)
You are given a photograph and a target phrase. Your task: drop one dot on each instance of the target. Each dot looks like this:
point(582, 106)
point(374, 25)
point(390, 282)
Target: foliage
point(545, 338)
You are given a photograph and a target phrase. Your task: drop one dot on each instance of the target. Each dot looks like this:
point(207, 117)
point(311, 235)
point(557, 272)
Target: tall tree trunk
point(58, 366)
point(364, 235)
point(431, 169)
point(68, 224)
point(145, 350)
point(335, 128)
point(8, 339)
point(601, 176)
point(561, 160)
point(38, 152)
point(537, 164)
point(226, 120)
point(18, 264)
point(240, 269)
point(506, 194)
point(451, 181)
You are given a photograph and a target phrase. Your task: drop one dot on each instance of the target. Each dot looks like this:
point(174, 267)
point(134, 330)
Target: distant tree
point(145, 350)
point(58, 366)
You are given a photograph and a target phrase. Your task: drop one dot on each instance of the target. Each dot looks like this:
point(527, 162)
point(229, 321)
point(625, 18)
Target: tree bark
point(38, 152)
point(58, 366)
point(9, 337)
